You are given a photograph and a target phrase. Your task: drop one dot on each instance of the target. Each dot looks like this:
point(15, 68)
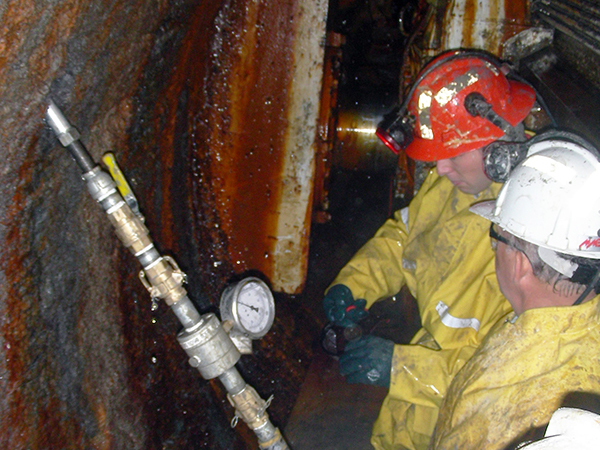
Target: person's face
point(504, 269)
point(465, 171)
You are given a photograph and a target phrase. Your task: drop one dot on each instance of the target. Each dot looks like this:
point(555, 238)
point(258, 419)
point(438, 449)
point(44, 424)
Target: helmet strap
point(478, 106)
point(588, 289)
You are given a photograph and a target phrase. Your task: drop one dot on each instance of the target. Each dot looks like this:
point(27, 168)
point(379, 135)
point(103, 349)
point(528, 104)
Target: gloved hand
point(368, 360)
point(341, 308)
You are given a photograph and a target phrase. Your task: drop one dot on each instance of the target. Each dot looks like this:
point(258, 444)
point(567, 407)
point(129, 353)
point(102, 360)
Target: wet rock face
point(85, 362)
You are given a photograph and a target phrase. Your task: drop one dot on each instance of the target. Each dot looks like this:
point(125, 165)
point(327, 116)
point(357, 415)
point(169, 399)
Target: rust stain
point(21, 423)
point(17, 18)
point(516, 18)
point(103, 440)
point(326, 125)
point(14, 330)
point(95, 57)
point(248, 139)
point(67, 14)
point(493, 33)
point(16, 423)
point(483, 24)
point(468, 20)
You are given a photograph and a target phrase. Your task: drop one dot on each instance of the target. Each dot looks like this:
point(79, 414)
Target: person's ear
point(522, 266)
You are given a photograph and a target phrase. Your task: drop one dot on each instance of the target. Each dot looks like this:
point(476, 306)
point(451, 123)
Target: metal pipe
point(186, 312)
point(252, 410)
point(209, 347)
point(68, 137)
point(232, 380)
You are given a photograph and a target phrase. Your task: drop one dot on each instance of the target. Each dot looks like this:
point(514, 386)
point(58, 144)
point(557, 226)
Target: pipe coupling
point(99, 184)
point(129, 227)
point(209, 347)
point(275, 443)
point(163, 279)
point(250, 407)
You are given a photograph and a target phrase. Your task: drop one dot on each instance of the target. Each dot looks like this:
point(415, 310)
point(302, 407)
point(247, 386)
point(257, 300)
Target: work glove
point(368, 360)
point(341, 308)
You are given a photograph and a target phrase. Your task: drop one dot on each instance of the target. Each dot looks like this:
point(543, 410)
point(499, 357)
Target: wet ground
point(329, 413)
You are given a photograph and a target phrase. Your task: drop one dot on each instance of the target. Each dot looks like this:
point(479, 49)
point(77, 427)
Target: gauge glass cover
point(254, 306)
point(250, 306)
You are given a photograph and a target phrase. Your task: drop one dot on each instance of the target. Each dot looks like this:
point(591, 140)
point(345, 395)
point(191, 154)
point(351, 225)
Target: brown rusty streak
point(17, 19)
point(516, 11)
point(66, 15)
point(16, 422)
point(166, 111)
point(494, 36)
point(30, 379)
point(517, 17)
point(249, 158)
point(207, 113)
point(188, 74)
point(468, 23)
point(103, 439)
point(326, 125)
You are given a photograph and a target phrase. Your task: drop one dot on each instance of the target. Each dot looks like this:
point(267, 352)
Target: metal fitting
point(240, 340)
point(65, 133)
point(99, 184)
point(250, 407)
point(275, 443)
point(210, 349)
point(129, 227)
point(163, 279)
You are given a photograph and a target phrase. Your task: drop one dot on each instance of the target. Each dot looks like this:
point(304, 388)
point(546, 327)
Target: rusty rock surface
point(85, 362)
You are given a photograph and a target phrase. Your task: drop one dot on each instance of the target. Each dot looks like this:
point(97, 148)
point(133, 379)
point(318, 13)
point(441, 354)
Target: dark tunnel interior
point(242, 164)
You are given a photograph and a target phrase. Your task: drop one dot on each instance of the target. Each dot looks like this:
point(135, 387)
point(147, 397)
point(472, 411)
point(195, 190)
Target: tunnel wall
point(86, 362)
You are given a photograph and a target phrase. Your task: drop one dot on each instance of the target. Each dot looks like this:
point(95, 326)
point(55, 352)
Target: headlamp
point(396, 131)
point(500, 158)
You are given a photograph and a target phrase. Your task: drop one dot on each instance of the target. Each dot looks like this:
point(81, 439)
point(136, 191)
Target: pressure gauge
point(250, 306)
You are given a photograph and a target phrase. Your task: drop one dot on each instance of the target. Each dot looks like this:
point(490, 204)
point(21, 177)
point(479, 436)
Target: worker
point(545, 225)
point(435, 247)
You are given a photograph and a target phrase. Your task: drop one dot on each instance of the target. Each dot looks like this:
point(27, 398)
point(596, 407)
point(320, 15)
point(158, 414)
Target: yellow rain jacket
point(442, 252)
point(520, 375)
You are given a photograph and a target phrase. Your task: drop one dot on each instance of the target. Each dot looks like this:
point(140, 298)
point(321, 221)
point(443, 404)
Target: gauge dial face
point(255, 308)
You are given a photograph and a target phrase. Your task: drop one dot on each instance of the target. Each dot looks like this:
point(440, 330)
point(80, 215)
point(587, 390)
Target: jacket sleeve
point(375, 271)
point(421, 375)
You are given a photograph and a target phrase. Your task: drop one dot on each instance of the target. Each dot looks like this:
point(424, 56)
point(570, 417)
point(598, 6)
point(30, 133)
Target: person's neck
point(547, 296)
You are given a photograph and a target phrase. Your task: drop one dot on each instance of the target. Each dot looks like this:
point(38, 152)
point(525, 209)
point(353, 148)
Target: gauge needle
point(249, 306)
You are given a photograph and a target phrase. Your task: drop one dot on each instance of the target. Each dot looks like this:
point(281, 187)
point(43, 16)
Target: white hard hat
point(552, 199)
point(569, 429)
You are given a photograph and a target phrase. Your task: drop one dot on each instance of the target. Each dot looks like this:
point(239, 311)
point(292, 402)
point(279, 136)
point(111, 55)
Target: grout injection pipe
point(211, 349)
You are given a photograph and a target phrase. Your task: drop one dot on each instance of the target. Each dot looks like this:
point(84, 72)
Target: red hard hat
point(443, 128)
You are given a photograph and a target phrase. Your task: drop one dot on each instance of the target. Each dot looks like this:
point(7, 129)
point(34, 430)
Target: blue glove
point(368, 360)
point(341, 308)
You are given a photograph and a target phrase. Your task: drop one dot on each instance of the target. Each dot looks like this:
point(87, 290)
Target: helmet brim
point(485, 210)
point(521, 99)
point(551, 257)
point(425, 150)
